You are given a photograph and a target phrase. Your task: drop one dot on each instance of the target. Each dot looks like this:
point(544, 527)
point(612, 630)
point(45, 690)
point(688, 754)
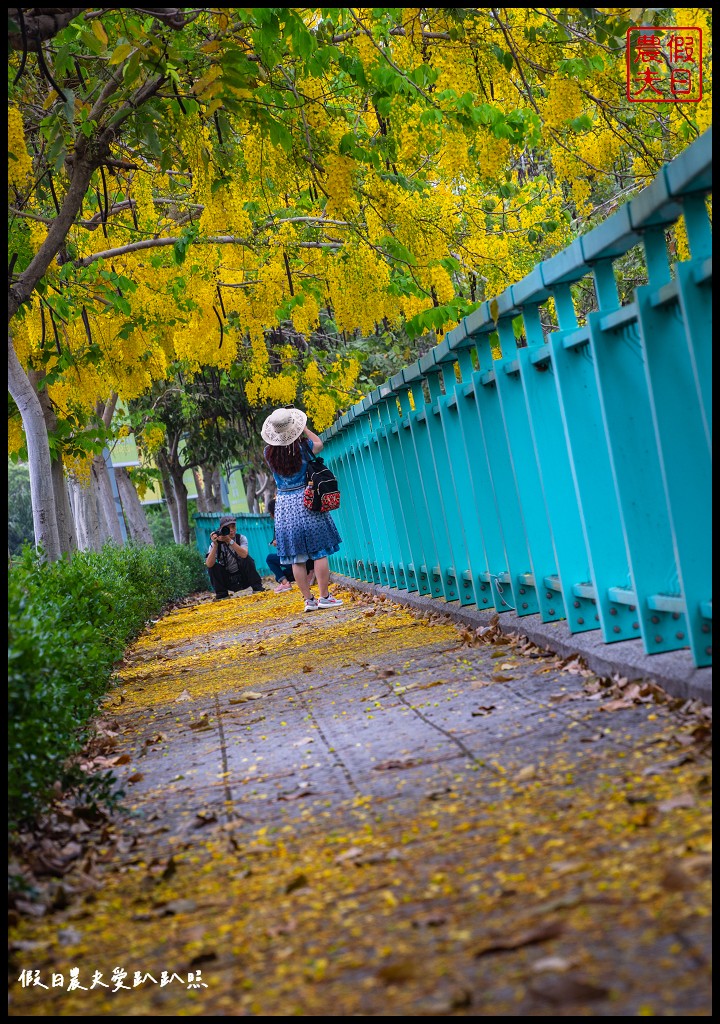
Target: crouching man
point(228, 563)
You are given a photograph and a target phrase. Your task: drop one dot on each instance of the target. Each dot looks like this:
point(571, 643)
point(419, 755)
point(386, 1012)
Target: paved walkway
point(362, 812)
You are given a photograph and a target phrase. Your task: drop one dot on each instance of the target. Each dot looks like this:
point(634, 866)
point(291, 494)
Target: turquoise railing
point(571, 477)
point(257, 528)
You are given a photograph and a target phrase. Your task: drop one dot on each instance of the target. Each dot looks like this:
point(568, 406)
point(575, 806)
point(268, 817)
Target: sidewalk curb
point(674, 671)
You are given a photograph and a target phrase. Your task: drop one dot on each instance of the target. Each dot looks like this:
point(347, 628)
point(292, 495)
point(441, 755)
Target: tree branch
point(43, 25)
point(154, 243)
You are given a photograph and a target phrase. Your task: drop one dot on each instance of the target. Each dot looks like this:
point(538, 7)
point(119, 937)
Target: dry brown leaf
point(158, 737)
point(202, 722)
point(351, 854)
point(616, 705)
point(179, 906)
point(432, 920)
point(681, 800)
point(527, 937)
point(299, 882)
point(561, 989)
point(33, 909)
point(403, 970)
point(205, 818)
point(553, 964)
point(408, 762)
point(169, 869)
point(676, 878)
point(295, 794)
point(376, 857)
point(427, 686)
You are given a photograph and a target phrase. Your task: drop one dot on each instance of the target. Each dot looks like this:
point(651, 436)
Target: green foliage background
point(20, 517)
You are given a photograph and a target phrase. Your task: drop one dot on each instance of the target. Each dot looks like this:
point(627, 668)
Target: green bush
point(67, 624)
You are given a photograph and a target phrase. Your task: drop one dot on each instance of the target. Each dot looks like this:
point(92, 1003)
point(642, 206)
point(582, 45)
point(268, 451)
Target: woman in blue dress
point(301, 533)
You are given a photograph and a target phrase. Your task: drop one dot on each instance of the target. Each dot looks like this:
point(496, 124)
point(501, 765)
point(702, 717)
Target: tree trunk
point(214, 490)
point(65, 523)
point(181, 497)
point(65, 520)
point(90, 535)
point(74, 497)
point(41, 481)
point(199, 477)
point(264, 489)
point(169, 489)
point(134, 512)
point(106, 500)
point(267, 491)
point(250, 481)
point(71, 498)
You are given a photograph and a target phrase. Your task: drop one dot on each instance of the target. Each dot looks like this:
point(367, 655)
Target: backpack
point(321, 487)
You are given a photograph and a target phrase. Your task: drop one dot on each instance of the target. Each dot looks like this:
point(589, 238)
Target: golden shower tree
point(197, 187)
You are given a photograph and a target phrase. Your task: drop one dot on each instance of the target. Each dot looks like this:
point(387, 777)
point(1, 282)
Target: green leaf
point(398, 250)
point(121, 52)
point(431, 116)
point(302, 41)
point(347, 143)
point(69, 106)
point(279, 135)
point(92, 42)
point(150, 136)
point(450, 263)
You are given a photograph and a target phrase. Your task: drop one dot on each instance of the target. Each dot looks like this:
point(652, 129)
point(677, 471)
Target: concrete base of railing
point(673, 671)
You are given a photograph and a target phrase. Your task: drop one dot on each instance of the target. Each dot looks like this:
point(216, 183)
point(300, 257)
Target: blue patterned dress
point(301, 533)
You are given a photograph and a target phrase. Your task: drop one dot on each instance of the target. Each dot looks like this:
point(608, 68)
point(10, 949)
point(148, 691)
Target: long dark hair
point(284, 459)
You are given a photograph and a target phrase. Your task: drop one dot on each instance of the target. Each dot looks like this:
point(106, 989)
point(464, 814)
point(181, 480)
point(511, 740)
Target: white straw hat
point(283, 426)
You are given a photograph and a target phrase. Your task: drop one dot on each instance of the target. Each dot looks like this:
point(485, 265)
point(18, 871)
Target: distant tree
point(20, 516)
point(158, 519)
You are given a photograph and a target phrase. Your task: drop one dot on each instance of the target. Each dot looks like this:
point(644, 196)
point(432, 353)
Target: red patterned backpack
point(321, 487)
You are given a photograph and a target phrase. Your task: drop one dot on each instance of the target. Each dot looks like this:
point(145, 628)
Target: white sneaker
point(329, 602)
point(311, 606)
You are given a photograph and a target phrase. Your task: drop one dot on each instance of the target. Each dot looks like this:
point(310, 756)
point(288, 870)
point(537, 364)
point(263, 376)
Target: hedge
point(68, 623)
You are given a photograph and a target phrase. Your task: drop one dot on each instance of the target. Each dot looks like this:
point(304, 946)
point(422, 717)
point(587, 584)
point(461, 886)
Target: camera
point(224, 531)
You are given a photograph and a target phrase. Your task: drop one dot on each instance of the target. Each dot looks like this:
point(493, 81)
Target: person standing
point(284, 573)
point(228, 562)
point(301, 533)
